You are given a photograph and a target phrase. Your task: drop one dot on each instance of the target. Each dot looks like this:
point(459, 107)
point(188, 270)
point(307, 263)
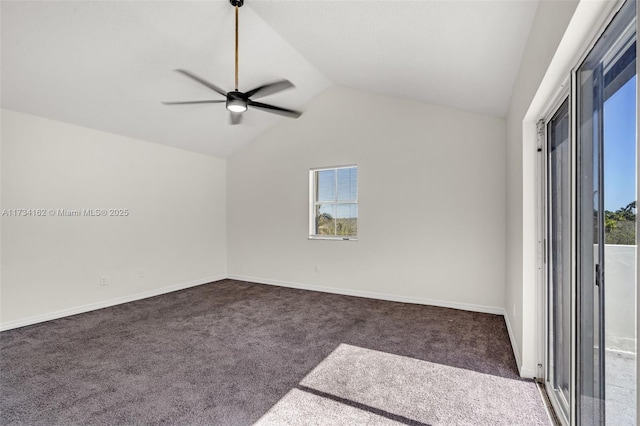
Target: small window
point(334, 203)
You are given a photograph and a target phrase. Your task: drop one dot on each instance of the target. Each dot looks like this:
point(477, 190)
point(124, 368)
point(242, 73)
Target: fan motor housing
point(236, 102)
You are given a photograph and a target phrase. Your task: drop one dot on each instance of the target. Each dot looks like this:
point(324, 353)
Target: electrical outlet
point(141, 274)
point(317, 268)
point(104, 280)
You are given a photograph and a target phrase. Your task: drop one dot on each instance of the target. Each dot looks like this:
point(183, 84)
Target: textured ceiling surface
point(107, 65)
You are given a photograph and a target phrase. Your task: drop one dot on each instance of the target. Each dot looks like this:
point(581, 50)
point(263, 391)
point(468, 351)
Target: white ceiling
point(108, 65)
point(462, 54)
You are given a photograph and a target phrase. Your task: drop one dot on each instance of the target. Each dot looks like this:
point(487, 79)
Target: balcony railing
point(620, 297)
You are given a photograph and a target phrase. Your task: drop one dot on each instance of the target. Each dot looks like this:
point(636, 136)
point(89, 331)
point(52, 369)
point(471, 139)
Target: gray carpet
point(237, 353)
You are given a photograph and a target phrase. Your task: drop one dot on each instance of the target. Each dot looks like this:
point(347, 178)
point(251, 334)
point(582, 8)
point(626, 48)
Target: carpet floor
point(238, 353)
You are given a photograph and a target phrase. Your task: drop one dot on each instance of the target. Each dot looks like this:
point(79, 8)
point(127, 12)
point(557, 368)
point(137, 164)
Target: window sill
point(328, 237)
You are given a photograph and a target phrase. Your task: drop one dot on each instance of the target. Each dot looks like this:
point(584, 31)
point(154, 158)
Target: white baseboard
point(372, 295)
point(512, 338)
point(525, 372)
point(528, 373)
point(105, 304)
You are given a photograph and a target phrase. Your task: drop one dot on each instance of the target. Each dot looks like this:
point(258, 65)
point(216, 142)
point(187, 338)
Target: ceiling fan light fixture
point(238, 102)
point(235, 102)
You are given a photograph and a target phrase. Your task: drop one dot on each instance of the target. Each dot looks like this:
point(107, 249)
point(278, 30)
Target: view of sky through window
point(620, 147)
point(338, 185)
point(327, 185)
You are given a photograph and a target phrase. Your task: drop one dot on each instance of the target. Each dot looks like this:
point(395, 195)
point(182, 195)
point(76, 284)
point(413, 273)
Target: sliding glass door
point(590, 173)
point(559, 271)
point(590, 301)
point(604, 80)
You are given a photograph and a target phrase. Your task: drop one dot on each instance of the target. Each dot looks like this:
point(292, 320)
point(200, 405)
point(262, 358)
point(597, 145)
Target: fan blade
point(274, 109)
point(235, 117)
point(202, 81)
point(193, 102)
point(269, 89)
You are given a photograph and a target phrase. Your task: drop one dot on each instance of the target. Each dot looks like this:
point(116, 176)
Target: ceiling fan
point(238, 102)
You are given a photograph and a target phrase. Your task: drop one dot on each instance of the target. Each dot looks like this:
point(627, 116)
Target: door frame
point(567, 89)
point(542, 179)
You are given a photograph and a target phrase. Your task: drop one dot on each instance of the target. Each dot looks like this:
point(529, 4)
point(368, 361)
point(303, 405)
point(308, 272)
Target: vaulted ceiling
point(107, 65)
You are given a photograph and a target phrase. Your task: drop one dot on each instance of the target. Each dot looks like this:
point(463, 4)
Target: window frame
point(313, 202)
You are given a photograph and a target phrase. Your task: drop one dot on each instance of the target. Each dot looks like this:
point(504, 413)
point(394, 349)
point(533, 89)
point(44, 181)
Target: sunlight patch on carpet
point(355, 385)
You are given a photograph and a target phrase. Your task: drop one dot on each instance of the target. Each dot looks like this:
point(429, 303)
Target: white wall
point(431, 202)
point(561, 34)
point(551, 21)
point(175, 235)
